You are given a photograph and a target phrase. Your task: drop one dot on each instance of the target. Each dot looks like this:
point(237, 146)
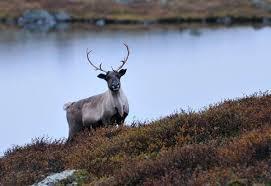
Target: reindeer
point(108, 108)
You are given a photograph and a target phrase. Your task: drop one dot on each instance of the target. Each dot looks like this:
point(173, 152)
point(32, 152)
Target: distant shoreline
point(228, 20)
point(134, 12)
point(182, 23)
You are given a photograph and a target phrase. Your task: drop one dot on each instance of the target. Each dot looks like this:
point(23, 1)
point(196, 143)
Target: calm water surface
point(168, 70)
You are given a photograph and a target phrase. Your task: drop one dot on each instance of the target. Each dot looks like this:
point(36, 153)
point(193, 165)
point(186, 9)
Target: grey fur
point(108, 108)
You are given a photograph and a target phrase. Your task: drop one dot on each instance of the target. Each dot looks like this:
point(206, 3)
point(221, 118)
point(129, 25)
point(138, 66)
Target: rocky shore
point(49, 15)
point(42, 20)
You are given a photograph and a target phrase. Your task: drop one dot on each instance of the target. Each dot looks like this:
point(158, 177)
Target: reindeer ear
point(102, 76)
point(122, 72)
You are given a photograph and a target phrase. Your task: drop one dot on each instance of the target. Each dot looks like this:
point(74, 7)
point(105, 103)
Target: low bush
point(226, 143)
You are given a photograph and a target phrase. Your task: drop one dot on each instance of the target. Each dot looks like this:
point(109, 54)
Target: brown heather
point(139, 9)
point(226, 144)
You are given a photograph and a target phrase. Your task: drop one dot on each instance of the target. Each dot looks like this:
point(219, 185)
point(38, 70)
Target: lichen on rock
point(67, 177)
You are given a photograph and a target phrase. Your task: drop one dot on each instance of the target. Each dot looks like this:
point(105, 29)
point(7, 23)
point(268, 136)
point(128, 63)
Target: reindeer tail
point(67, 105)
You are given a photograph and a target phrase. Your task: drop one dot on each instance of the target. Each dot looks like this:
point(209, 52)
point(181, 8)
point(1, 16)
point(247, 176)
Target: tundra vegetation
point(226, 143)
point(138, 10)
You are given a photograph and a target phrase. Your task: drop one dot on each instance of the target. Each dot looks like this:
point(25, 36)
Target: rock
point(258, 3)
point(266, 21)
point(62, 16)
point(43, 21)
point(148, 22)
point(268, 7)
point(62, 26)
point(224, 20)
point(56, 178)
point(163, 2)
point(100, 22)
point(264, 4)
point(37, 20)
point(123, 1)
point(131, 1)
point(67, 177)
point(38, 17)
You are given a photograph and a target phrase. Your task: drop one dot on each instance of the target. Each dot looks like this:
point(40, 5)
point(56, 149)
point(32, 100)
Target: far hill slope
point(228, 143)
point(141, 9)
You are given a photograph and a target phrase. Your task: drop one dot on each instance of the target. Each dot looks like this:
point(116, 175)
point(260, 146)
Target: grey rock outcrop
point(37, 17)
point(263, 4)
point(62, 16)
point(67, 177)
point(224, 20)
point(56, 178)
point(100, 22)
point(42, 20)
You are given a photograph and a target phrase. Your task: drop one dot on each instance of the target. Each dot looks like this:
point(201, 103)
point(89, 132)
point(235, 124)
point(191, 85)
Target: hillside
point(141, 9)
point(227, 143)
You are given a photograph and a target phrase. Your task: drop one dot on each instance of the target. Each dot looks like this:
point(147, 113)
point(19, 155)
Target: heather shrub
point(225, 144)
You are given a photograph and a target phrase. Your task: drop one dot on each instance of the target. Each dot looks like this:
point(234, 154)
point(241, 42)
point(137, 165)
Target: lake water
point(168, 70)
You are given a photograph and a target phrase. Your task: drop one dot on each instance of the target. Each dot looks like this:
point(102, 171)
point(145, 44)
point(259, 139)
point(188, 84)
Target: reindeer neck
point(117, 100)
point(115, 94)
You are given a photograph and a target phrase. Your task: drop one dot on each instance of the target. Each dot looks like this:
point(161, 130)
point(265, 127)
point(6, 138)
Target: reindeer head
point(112, 77)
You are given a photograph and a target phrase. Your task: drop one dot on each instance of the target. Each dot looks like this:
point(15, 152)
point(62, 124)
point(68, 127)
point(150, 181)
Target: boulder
point(123, 1)
point(224, 20)
point(38, 17)
point(37, 20)
point(67, 177)
point(100, 22)
point(62, 16)
point(266, 21)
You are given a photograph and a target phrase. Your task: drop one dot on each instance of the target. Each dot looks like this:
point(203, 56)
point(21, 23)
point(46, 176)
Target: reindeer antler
point(95, 67)
point(125, 59)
